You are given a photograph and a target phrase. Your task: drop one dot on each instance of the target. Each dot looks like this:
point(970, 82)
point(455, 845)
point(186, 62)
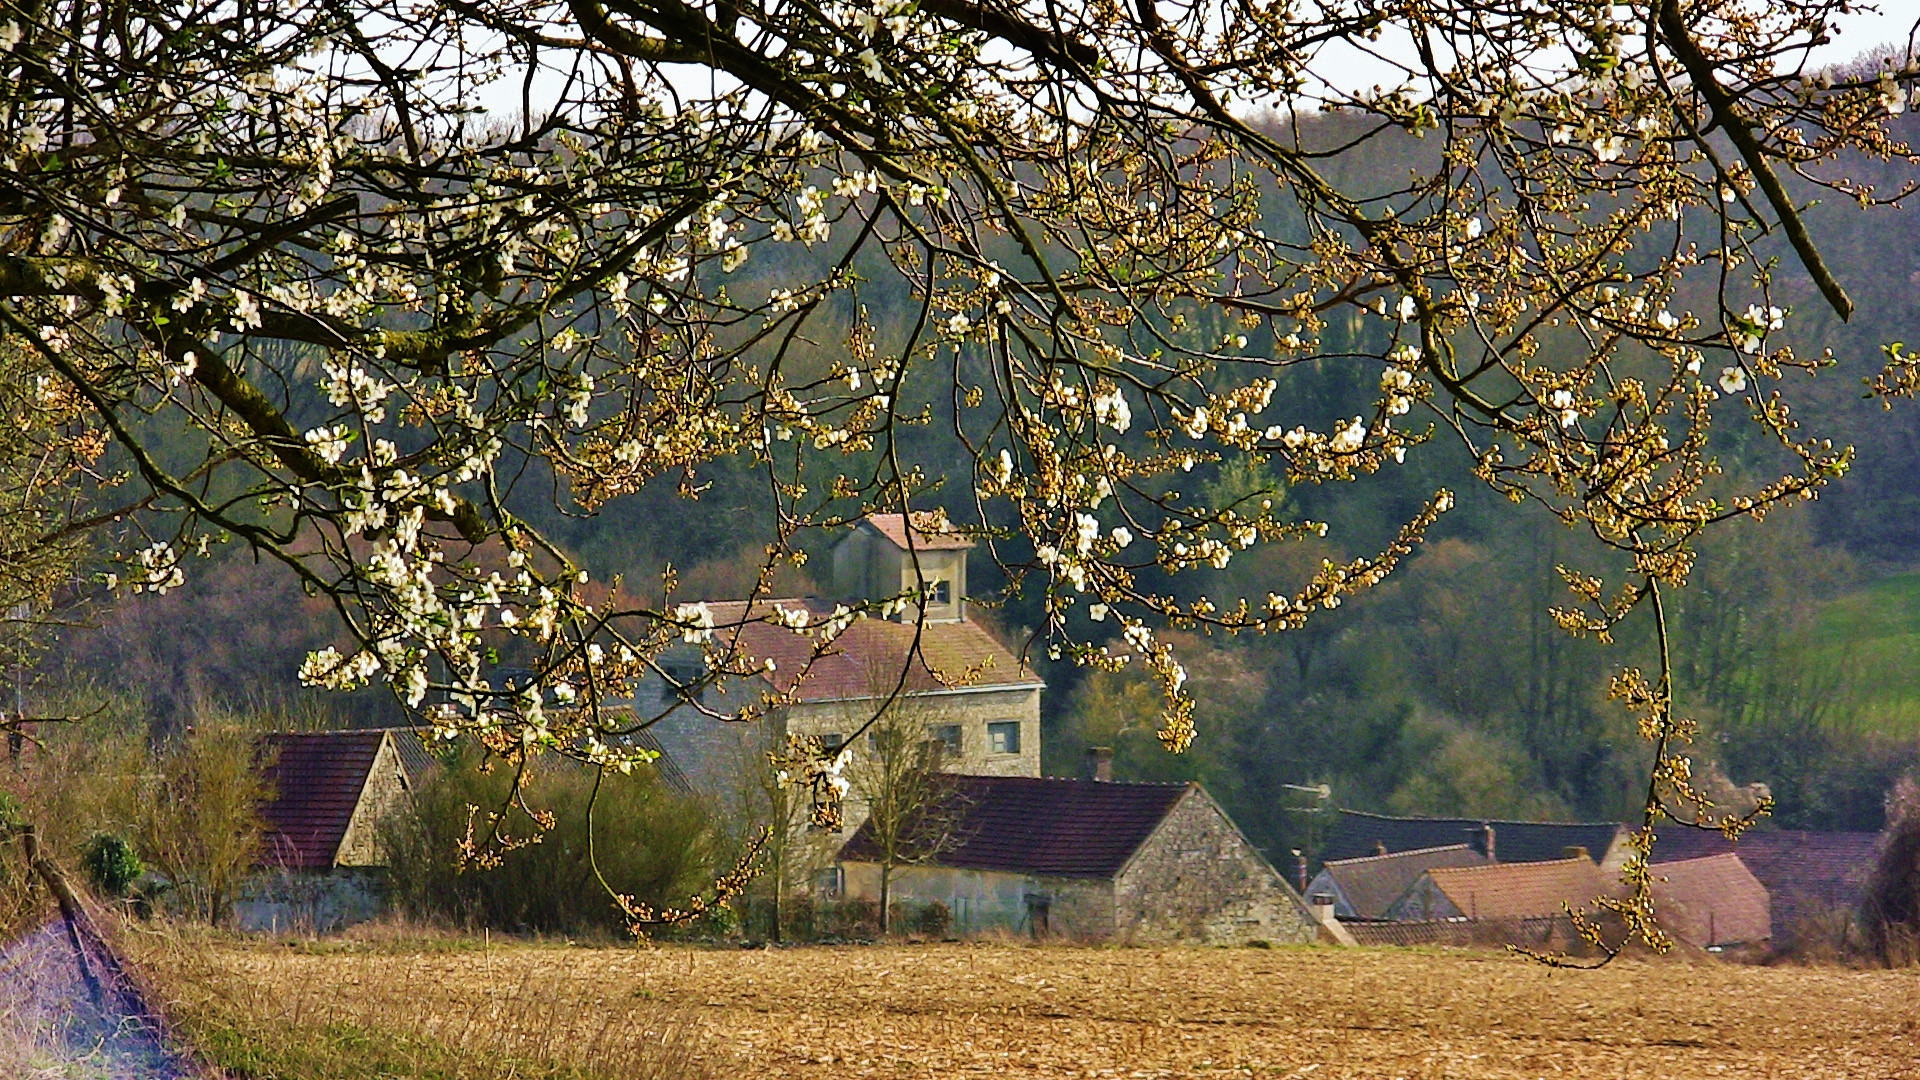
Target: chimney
point(1493, 855)
point(1321, 905)
point(1300, 868)
point(1575, 851)
point(1100, 763)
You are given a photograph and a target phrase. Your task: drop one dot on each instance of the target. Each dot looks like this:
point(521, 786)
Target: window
point(947, 738)
point(832, 741)
point(939, 591)
point(1003, 737)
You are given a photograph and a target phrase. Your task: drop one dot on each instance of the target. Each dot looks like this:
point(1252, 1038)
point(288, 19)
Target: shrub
point(647, 842)
point(1890, 913)
point(111, 863)
point(201, 824)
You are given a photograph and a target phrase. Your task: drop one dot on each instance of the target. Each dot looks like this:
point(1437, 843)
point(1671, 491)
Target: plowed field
point(1004, 1011)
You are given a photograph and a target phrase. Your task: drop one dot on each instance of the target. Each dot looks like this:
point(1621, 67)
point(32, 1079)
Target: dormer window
point(939, 592)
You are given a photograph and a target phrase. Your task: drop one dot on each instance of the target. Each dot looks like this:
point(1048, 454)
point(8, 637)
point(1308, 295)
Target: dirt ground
point(1007, 1011)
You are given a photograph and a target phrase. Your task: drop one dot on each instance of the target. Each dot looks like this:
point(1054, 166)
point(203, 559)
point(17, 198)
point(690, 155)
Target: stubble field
point(1007, 1011)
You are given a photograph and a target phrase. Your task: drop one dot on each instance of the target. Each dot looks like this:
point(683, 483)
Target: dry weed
point(294, 1010)
point(950, 1011)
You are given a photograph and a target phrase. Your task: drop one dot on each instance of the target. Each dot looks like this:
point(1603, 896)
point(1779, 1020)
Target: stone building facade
point(979, 703)
point(1093, 860)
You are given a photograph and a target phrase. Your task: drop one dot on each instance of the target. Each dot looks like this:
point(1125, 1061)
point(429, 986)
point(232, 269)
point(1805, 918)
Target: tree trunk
point(886, 897)
point(779, 896)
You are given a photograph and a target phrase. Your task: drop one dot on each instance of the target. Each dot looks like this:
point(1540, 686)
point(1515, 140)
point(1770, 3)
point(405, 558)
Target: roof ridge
point(1478, 820)
point(1530, 866)
point(1081, 780)
point(1397, 854)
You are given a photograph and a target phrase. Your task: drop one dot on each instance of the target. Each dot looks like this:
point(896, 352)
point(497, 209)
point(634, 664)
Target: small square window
point(947, 738)
point(832, 741)
point(1003, 737)
point(939, 591)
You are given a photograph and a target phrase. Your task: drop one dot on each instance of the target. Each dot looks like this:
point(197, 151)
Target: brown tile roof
point(870, 650)
point(931, 532)
point(1047, 826)
point(1372, 883)
point(1714, 900)
point(1806, 872)
point(1522, 890)
point(317, 778)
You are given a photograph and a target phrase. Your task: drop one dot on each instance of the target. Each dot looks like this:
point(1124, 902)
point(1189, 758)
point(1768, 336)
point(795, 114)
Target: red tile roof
point(931, 532)
point(317, 779)
point(869, 654)
point(1714, 900)
point(1523, 890)
point(1806, 872)
point(1046, 826)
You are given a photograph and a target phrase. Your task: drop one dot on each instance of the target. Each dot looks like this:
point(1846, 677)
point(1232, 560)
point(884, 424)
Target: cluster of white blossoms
point(1108, 308)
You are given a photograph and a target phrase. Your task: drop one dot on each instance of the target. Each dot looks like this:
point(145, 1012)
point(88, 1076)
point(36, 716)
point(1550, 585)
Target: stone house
point(1092, 860)
point(1368, 887)
point(320, 866)
point(981, 705)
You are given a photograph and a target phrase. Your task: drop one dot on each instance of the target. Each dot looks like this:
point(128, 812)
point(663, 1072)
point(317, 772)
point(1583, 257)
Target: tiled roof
point(317, 779)
point(1714, 900)
point(1045, 826)
point(415, 758)
point(1371, 884)
point(1522, 890)
point(930, 532)
point(1806, 872)
point(1356, 834)
point(870, 651)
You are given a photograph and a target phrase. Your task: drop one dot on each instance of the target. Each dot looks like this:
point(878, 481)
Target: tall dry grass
point(389, 1009)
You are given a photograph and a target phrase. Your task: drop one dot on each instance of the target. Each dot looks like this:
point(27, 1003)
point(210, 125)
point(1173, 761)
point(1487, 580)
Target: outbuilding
point(1092, 860)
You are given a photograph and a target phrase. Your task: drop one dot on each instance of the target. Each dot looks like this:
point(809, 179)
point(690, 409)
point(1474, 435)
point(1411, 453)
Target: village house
point(1367, 887)
point(981, 705)
point(1092, 860)
point(1809, 876)
point(320, 866)
point(1709, 902)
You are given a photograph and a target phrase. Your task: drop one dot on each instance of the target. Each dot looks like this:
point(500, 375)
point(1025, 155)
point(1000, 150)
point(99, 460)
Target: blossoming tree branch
point(374, 258)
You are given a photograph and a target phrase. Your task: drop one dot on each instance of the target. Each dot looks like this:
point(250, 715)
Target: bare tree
point(914, 810)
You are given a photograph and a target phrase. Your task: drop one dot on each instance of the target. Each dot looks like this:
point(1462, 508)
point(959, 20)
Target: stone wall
point(1198, 879)
point(986, 902)
point(385, 793)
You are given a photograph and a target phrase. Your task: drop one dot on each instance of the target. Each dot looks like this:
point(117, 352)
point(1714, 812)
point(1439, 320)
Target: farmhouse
point(981, 703)
point(330, 791)
point(1367, 887)
point(1092, 860)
